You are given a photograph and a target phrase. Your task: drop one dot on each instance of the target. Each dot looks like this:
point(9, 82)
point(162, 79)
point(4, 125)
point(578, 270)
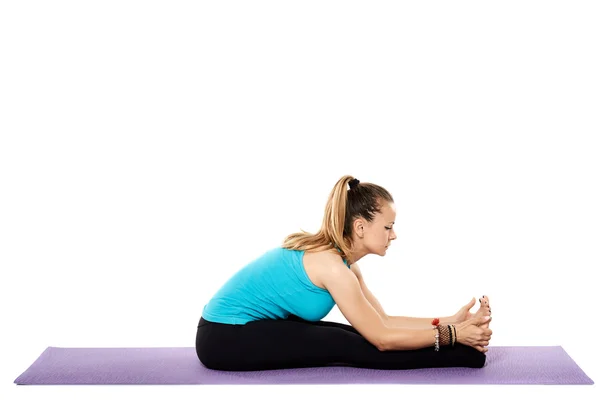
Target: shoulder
point(356, 270)
point(334, 267)
point(325, 264)
point(332, 258)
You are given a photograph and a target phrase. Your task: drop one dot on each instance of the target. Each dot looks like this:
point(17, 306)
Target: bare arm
point(395, 321)
point(416, 322)
point(370, 296)
point(345, 289)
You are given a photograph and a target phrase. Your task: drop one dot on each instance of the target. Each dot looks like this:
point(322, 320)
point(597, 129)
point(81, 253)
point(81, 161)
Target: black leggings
point(296, 343)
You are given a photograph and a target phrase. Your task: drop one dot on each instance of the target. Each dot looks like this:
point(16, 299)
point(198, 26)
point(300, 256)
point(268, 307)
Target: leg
point(279, 344)
point(326, 324)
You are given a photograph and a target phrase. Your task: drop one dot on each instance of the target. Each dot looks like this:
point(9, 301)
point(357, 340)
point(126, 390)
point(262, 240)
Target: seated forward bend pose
point(268, 314)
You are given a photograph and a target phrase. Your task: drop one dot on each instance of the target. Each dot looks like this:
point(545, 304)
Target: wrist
point(445, 334)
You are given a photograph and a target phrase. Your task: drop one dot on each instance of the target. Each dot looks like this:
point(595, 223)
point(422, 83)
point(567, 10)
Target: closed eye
point(388, 228)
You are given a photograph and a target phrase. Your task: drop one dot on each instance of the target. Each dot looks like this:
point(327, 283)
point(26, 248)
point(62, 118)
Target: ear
point(359, 227)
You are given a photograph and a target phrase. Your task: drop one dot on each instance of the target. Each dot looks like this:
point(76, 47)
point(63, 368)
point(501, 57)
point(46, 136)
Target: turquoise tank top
point(273, 286)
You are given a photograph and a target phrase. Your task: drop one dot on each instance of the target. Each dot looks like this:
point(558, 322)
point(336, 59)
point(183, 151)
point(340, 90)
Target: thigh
point(275, 344)
point(327, 324)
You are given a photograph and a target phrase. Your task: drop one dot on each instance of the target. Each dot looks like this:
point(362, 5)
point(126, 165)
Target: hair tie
point(353, 183)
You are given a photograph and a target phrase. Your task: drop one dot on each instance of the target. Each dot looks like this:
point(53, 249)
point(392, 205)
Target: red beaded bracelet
point(435, 323)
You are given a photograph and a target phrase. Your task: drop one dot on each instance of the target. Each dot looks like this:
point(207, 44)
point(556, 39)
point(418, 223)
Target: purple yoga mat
point(180, 365)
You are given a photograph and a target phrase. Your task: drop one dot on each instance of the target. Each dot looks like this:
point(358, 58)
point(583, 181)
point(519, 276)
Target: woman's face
point(379, 233)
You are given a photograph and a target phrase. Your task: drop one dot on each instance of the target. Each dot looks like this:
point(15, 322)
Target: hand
point(464, 314)
point(473, 333)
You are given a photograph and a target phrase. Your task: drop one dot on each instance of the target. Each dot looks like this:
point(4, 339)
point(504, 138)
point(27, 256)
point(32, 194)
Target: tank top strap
point(345, 262)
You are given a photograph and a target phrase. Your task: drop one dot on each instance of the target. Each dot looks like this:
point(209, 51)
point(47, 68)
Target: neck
point(356, 255)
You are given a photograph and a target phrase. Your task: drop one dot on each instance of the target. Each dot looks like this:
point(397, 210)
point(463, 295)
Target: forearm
point(415, 322)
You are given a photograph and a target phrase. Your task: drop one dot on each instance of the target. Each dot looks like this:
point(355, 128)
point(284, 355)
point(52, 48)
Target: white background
point(150, 149)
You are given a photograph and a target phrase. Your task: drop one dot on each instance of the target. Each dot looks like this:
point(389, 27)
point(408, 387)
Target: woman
point(268, 315)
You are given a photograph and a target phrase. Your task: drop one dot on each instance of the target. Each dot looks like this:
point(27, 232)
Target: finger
point(483, 342)
point(483, 320)
point(481, 349)
point(486, 325)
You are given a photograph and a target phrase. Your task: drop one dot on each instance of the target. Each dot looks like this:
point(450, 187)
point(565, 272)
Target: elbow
point(382, 342)
point(381, 346)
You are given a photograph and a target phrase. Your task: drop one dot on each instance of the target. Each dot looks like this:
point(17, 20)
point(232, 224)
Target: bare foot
point(484, 309)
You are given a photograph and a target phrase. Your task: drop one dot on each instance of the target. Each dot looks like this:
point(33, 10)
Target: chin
point(381, 251)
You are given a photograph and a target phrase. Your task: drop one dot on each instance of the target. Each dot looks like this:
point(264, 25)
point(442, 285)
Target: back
point(273, 286)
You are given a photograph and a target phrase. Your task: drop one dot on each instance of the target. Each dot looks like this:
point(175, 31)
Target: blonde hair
point(343, 206)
